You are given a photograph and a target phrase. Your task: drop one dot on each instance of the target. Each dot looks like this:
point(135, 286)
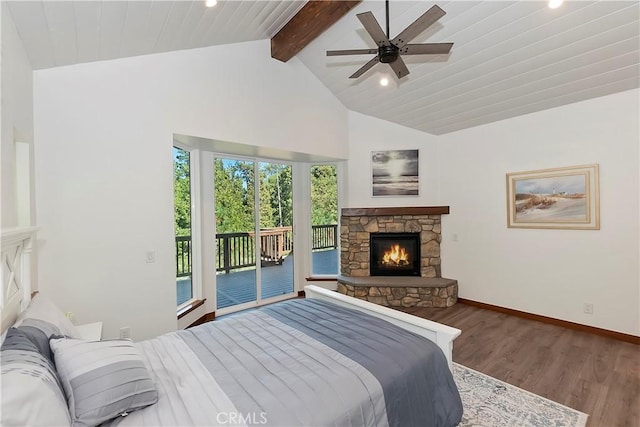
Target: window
point(235, 216)
point(182, 219)
point(324, 219)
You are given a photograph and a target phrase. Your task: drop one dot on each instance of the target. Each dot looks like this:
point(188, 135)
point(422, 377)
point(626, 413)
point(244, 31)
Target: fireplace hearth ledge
point(397, 281)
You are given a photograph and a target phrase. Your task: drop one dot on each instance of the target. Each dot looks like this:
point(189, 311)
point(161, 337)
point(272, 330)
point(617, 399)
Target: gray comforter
point(295, 363)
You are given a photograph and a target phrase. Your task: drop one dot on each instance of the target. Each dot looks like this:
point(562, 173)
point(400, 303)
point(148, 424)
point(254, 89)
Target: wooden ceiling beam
point(310, 21)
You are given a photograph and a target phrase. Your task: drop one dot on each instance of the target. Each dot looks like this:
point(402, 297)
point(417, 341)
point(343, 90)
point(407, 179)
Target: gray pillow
point(102, 379)
point(38, 332)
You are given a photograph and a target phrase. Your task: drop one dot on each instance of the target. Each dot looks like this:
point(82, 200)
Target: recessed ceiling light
point(211, 3)
point(384, 81)
point(554, 4)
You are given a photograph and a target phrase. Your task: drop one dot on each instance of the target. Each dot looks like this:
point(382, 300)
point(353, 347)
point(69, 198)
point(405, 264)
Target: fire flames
point(396, 256)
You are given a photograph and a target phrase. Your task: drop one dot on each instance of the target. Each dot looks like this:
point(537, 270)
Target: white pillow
point(28, 401)
point(31, 392)
point(102, 379)
point(44, 309)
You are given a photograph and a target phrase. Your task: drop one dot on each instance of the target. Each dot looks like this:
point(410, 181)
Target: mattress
point(301, 362)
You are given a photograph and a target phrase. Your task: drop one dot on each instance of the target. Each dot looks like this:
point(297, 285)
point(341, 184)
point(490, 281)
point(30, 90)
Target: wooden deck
point(238, 287)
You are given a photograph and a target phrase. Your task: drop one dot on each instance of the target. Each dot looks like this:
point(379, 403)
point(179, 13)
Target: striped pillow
point(30, 388)
point(102, 379)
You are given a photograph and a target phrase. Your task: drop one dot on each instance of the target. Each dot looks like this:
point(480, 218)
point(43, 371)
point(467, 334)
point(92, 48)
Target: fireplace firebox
point(394, 254)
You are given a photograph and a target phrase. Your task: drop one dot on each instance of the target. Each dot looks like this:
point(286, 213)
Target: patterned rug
point(489, 402)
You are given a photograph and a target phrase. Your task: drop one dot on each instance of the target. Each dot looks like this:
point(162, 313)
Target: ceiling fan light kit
point(389, 50)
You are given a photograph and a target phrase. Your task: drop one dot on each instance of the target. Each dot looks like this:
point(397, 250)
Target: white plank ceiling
point(508, 59)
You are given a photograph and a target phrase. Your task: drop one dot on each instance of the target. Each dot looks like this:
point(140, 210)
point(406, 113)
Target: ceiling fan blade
point(370, 24)
point(426, 48)
point(418, 26)
point(364, 68)
point(399, 67)
point(352, 52)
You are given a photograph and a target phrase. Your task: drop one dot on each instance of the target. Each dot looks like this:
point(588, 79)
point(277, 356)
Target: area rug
point(489, 402)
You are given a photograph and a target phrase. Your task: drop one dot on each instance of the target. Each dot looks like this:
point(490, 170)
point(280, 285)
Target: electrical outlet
point(588, 308)
point(125, 333)
point(150, 256)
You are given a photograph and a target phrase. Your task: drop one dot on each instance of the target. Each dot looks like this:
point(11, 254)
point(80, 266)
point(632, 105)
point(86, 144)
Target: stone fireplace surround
point(428, 290)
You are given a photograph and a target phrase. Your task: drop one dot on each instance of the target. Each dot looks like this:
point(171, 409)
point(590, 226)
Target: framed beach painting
point(395, 173)
point(563, 198)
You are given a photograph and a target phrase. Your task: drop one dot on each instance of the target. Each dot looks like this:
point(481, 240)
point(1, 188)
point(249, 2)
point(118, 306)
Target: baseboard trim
point(552, 321)
point(321, 279)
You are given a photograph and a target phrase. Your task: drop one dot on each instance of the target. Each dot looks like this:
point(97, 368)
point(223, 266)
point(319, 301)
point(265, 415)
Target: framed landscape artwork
point(395, 173)
point(564, 198)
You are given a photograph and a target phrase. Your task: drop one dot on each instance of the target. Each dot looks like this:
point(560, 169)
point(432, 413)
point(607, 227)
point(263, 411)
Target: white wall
point(17, 111)
point(103, 162)
point(547, 272)
point(367, 134)
point(104, 177)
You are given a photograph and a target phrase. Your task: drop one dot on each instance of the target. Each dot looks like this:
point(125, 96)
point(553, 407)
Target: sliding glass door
point(253, 209)
point(235, 232)
point(276, 230)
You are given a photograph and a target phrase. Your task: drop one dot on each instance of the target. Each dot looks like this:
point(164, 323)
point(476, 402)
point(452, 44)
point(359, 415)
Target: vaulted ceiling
point(508, 59)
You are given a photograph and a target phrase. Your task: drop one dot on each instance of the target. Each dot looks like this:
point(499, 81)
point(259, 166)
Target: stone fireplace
point(367, 233)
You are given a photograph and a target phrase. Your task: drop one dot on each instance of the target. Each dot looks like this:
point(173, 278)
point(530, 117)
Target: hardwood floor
point(596, 375)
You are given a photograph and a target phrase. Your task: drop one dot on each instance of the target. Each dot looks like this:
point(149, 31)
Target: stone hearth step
point(394, 291)
point(397, 281)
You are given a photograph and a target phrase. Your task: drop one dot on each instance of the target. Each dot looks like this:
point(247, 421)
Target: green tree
point(234, 194)
point(266, 210)
point(182, 192)
point(235, 203)
point(277, 193)
point(324, 195)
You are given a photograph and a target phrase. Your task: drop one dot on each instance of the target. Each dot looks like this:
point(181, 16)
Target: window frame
point(207, 149)
point(196, 226)
point(340, 173)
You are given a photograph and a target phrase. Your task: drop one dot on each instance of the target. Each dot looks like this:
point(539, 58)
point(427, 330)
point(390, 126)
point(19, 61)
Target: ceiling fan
point(389, 50)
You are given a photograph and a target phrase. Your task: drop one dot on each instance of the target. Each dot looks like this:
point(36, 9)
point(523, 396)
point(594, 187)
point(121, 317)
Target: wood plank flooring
point(593, 374)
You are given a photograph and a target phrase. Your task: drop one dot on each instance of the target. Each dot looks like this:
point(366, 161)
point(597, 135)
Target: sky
point(569, 184)
point(395, 163)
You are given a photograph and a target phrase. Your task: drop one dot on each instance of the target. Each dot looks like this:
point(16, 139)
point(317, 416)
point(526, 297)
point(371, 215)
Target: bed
point(327, 359)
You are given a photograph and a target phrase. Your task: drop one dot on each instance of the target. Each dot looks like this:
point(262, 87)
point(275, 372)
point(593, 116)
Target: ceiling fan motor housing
point(388, 54)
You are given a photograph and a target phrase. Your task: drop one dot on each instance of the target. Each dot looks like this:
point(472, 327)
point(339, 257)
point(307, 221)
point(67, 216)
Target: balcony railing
point(324, 236)
point(237, 250)
point(183, 256)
